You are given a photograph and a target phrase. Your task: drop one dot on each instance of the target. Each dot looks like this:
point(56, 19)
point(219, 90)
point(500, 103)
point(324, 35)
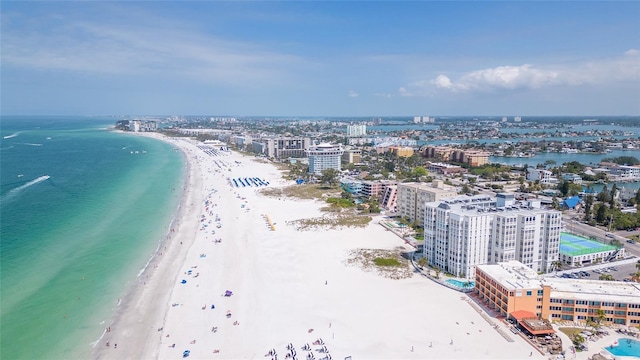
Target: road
point(575, 226)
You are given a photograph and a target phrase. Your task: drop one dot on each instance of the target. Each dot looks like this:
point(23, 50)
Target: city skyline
point(321, 58)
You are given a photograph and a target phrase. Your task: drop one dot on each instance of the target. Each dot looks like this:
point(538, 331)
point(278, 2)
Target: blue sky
point(340, 58)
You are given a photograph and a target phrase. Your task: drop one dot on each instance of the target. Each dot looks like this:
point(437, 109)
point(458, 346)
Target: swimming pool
point(625, 347)
point(462, 284)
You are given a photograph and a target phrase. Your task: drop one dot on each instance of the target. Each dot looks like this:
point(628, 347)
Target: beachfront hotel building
point(356, 130)
point(412, 196)
point(463, 232)
point(510, 287)
point(375, 188)
point(281, 147)
point(324, 156)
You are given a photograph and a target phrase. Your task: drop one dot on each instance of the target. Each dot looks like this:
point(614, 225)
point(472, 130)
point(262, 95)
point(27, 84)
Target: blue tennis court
point(571, 244)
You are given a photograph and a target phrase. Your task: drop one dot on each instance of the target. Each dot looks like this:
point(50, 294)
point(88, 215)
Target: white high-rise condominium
point(463, 232)
point(356, 130)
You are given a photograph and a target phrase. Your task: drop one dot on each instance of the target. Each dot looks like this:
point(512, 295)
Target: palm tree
point(423, 262)
point(578, 339)
point(557, 265)
point(600, 318)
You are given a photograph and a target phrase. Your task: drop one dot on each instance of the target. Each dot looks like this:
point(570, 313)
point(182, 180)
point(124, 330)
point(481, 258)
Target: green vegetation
point(573, 167)
point(568, 188)
point(330, 177)
point(386, 262)
point(623, 160)
point(304, 191)
point(571, 331)
point(340, 202)
point(331, 222)
point(606, 277)
point(489, 171)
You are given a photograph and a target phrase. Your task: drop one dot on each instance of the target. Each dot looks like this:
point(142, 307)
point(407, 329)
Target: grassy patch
point(571, 331)
point(333, 221)
point(386, 262)
point(340, 202)
point(368, 260)
point(304, 191)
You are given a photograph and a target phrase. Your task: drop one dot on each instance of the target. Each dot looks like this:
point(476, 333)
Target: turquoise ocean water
point(82, 211)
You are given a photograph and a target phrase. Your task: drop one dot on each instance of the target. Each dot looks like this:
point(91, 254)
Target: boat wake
point(16, 191)
point(11, 136)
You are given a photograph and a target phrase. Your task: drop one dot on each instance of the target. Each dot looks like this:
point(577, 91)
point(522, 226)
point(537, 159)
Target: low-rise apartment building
point(511, 286)
point(282, 147)
point(447, 153)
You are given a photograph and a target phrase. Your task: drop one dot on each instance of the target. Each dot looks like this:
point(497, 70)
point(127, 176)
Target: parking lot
point(620, 270)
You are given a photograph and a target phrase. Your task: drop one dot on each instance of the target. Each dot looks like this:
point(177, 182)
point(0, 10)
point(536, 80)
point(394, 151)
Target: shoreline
point(138, 291)
point(287, 285)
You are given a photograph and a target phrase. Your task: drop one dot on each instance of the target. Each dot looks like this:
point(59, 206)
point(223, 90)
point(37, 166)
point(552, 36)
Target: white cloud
point(442, 81)
point(632, 52)
point(596, 72)
point(353, 93)
point(136, 48)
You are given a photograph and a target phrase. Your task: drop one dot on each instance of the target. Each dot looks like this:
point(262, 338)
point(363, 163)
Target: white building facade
point(323, 157)
point(543, 176)
point(356, 130)
point(464, 232)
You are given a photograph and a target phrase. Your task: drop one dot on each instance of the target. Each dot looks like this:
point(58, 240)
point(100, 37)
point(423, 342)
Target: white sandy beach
point(288, 286)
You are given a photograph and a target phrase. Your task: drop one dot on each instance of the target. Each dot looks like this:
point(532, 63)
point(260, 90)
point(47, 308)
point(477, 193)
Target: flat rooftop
point(513, 275)
point(483, 204)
